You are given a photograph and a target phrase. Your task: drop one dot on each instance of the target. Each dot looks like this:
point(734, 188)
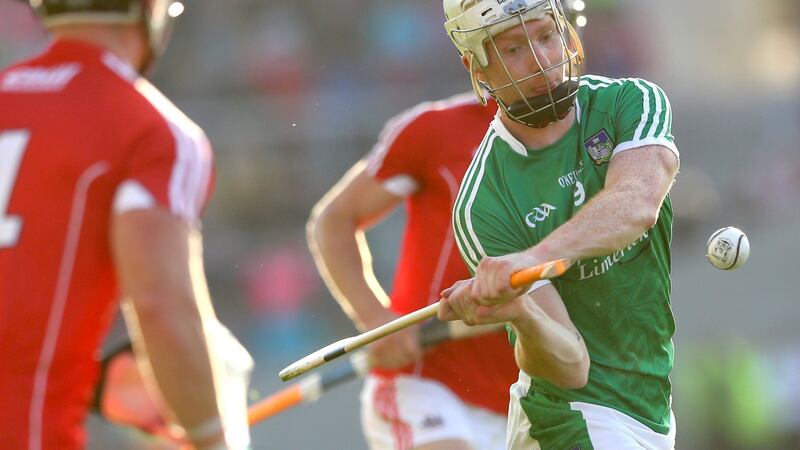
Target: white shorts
point(405, 412)
point(608, 428)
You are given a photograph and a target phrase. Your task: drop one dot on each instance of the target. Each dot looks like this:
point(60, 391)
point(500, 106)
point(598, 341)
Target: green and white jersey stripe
point(654, 126)
point(469, 245)
point(511, 198)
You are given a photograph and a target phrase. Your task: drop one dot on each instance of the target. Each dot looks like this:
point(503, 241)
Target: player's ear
point(469, 62)
point(476, 76)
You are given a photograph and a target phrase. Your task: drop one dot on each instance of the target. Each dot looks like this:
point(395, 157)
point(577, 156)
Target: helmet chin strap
point(539, 111)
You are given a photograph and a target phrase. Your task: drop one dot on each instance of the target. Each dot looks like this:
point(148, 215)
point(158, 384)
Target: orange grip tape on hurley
point(551, 269)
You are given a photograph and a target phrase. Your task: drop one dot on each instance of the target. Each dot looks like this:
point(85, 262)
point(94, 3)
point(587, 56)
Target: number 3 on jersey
point(12, 146)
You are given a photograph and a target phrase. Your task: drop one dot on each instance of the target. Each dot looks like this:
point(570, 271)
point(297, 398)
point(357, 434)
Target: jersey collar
point(83, 51)
point(506, 135)
point(514, 143)
point(120, 67)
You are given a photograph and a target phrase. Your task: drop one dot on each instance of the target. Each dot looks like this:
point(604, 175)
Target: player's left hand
point(457, 302)
point(488, 297)
point(492, 280)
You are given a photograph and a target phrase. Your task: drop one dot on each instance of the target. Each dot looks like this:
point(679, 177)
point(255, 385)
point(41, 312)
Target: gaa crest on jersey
point(600, 146)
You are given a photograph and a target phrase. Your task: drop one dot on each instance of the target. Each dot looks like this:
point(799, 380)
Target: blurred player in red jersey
point(102, 181)
point(454, 396)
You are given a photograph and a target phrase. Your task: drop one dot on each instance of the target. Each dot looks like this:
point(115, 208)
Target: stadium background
point(293, 93)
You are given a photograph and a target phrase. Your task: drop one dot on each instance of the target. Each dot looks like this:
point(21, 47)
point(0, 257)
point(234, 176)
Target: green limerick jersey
point(511, 198)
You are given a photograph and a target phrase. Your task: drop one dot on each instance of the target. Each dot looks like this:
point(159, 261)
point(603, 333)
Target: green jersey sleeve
point(643, 116)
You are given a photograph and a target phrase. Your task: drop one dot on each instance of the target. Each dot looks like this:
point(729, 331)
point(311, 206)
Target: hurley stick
point(542, 271)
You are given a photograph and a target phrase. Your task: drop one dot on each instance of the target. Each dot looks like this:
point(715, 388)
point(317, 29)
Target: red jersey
point(422, 154)
point(82, 136)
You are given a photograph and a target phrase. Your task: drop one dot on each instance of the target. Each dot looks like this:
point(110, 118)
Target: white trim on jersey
point(646, 88)
point(56, 316)
point(644, 142)
point(519, 147)
point(645, 112)
point(132, 195)
point(506, 135)
point(603, 81)
point(650, 138)
point(401, 185)
point(471, 200)
point(120, 67)
point(512, 141)
point(189, 182)
point(464, 247)
point(398, 123)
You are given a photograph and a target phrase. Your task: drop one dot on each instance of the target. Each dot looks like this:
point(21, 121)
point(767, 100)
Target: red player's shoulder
point(446, 109)
point(439, 117)
point(88, 78)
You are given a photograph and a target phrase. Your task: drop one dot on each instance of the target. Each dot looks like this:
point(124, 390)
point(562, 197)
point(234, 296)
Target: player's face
point(527, 59)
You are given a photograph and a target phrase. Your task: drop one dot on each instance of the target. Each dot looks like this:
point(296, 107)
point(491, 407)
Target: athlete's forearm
point(614, 218)
point(636, 184)
point(159, 263)
point(344, 261)
point(548, 349)
point(167, 327)
point(177, 353)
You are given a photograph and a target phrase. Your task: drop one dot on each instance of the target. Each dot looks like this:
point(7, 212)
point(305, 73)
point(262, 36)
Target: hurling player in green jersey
point(575, 167)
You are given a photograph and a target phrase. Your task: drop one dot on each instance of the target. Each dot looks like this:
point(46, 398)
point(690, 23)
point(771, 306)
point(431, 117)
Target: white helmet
point(472, 25)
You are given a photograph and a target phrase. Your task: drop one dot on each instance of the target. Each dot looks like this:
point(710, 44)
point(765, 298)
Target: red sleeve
point(399, 157)
point(173, 161)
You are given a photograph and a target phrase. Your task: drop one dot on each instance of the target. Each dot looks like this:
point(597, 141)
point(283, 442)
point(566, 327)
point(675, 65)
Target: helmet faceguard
point(473, 25)
point(157, 16)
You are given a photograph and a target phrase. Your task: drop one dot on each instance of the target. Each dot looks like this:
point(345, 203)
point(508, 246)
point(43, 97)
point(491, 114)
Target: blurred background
point(292, 93)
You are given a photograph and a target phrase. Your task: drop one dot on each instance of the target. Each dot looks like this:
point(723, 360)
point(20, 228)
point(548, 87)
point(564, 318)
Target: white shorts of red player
point(404, 412)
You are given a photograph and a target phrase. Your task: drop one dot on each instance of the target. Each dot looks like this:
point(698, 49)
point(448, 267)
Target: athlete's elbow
point(318, 222)
point(579, 375)
point(648, 209)
point(565, 375)
point(574, 377)
point(325, 217)
point(649, 217)
point(575, 372)
point(641, 220)
point(575, 382)
point(311, 226)
point(317, 216)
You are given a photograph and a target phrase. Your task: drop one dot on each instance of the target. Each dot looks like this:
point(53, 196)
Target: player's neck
point(122, 41)
point(536, 138)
